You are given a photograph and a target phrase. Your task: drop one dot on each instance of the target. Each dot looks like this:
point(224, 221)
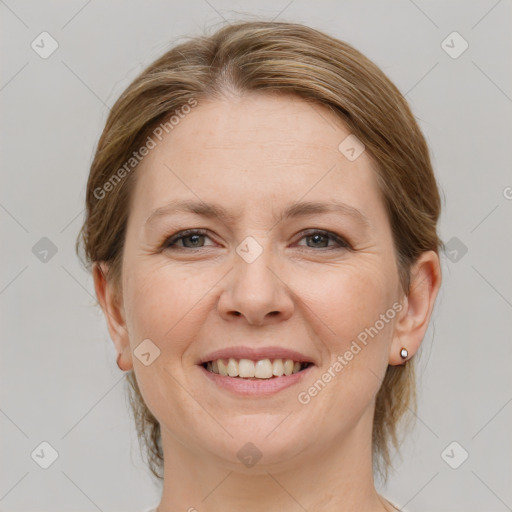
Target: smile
point(289, 372)
point(260, 369)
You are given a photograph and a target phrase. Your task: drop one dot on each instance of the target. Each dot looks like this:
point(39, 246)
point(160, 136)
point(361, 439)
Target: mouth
point(254, 372)
point(261, 369)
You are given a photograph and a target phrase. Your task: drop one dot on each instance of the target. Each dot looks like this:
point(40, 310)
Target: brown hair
point(283, 58)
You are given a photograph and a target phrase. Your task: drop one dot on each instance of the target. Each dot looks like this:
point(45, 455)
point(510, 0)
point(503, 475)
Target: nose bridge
point(254, 289)
point(255, 257)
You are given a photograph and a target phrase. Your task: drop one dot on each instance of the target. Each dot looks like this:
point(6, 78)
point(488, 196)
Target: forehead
point(255, 151)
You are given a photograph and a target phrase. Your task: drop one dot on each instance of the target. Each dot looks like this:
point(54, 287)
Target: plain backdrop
point(59, 381)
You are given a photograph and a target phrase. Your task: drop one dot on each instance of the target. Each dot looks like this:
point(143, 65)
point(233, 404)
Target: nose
point(256, 291)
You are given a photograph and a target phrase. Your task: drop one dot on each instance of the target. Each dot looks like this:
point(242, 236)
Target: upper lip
point(255, 354)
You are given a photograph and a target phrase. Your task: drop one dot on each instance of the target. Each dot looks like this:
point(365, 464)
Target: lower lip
point(256, 387)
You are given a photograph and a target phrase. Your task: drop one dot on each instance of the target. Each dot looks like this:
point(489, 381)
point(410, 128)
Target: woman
point(261, 228)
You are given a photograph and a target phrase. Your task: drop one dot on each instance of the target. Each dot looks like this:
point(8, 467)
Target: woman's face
point(257, 282)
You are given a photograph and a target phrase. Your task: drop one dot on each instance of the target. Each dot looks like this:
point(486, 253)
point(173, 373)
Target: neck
point(339, 478)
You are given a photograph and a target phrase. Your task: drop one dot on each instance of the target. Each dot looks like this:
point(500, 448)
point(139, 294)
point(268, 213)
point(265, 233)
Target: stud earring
point(404, 353)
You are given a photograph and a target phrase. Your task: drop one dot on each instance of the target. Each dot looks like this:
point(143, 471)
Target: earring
point(404, 353)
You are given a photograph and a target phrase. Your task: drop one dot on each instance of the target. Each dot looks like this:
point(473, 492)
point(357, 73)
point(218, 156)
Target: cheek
point(165, 306)
point(162, 305)
point(347, 305)
point(347, 299)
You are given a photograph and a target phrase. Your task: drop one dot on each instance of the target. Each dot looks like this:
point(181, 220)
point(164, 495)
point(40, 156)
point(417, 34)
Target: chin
point(260, 447)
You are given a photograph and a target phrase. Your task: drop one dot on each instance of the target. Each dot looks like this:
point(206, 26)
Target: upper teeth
point(263, 369)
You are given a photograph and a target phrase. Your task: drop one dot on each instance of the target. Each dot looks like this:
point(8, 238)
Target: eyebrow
point(293, 211)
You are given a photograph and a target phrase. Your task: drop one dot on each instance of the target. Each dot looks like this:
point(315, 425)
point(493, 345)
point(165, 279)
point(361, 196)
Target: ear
point(112, 307)
point(412, 323)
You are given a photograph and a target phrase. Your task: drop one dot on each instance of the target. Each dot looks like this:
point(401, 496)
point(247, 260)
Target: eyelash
point(171, 241)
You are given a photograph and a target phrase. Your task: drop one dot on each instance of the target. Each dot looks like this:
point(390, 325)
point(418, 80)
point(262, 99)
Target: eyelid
point(183, 234)
point(342, 242)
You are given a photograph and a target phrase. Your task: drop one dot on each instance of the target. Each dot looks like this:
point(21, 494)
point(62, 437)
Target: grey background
point(59, 380)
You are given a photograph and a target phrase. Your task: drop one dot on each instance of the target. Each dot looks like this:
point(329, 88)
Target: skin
point(255, 155)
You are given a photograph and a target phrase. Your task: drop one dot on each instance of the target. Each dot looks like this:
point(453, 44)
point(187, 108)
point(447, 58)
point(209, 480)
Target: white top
point(153, 509)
